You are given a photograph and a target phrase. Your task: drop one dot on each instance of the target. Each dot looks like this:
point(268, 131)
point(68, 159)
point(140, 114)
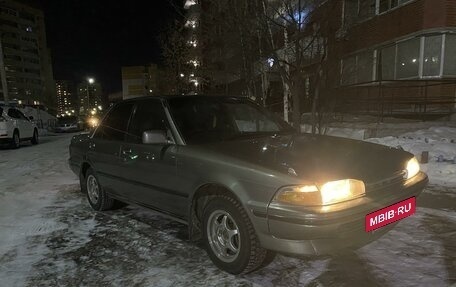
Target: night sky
point(96, 38)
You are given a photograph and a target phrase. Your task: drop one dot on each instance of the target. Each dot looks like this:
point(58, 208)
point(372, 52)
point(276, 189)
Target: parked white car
point(15, 127)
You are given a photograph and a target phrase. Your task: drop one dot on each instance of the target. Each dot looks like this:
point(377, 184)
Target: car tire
point(16, 140)
point(35, 139)
point(98, 199)
point(230, 239)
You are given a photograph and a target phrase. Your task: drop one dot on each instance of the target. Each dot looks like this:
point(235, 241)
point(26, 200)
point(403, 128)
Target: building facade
point(139, 81)
point(379, 57)
point(89, 97)
point(399, 57)
point(66, 99)
point(26, 58)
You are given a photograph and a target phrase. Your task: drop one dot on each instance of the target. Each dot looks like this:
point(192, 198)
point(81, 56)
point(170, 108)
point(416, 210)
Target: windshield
point(203, 120)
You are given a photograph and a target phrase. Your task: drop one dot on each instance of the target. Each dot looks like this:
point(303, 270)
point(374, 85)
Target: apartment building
point(89, 97)
point(66, 98)
point(26, 58)
point(399, 57)
point(139, 81)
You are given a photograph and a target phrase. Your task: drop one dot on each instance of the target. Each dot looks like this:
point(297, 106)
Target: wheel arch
point(84, 167)
point(199, 200)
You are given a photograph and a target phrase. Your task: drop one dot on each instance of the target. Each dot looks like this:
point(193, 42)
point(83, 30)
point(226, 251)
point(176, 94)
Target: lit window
point(449, 67)
point(432, 52)
point(190, 3)
point(388, 55)
point(408, 54)
point(385, 5)
point(195, 63)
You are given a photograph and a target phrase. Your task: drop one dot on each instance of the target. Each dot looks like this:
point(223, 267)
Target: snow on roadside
point(438, 141)
point(30, 179)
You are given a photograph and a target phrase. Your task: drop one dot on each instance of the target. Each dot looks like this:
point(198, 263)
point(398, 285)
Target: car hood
point(319, 158)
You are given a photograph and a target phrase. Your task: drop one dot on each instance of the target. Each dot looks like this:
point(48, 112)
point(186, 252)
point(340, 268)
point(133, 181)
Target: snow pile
point(30, 178)
point(439, 142)
point(41, 118)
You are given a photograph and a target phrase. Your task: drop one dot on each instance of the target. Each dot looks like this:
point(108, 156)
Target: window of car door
point(114, 126)
point(148, 116)
point(13, 113)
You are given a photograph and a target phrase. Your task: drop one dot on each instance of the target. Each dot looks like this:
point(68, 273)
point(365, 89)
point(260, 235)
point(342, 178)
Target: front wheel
point(230, 238)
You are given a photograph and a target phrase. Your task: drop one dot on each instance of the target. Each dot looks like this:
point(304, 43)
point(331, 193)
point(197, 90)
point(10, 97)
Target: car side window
point(14, 114)
point(114, 126)
point(149, 115)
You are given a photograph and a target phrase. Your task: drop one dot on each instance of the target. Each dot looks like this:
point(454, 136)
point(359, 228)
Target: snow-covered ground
point(437, 141)
point(50, 237)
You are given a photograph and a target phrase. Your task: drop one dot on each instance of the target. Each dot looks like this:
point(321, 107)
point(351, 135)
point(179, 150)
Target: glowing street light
point(91, 81)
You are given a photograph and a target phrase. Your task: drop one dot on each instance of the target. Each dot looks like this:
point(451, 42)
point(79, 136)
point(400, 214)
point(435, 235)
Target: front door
point(104, 149)
point(150, 170)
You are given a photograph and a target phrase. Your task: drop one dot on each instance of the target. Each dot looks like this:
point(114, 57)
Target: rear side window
point(13, 114)
point(114, 126)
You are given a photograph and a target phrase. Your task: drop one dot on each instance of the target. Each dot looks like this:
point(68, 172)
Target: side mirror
point(30, 118)
point(155, 137)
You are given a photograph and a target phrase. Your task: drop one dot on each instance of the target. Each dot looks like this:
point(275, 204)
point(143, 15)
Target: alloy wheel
point(93, 189)
point(223, 236)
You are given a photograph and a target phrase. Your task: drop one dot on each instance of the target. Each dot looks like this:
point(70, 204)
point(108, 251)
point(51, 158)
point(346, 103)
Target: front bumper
point(317, 231)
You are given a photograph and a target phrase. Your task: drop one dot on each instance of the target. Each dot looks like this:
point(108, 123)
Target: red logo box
point(390, 214)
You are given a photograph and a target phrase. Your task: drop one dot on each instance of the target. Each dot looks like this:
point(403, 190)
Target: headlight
point(413, 168)
point(326, 194)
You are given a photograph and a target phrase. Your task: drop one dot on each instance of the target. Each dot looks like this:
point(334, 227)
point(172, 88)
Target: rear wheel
point(35, 139)
point(230, 238)
point(97, 197)
point(16, 140)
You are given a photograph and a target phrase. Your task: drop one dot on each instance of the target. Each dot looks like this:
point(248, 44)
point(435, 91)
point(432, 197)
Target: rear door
point(104, 149)
point(150, 170)
point(26, 125)
point(21, 123)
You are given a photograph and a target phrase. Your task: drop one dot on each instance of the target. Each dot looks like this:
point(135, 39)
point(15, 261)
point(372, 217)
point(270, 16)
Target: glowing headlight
point(341, 190)
point(413, 168)
point(328, 193)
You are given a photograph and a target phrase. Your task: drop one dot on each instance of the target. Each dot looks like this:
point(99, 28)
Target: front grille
point(395, 181)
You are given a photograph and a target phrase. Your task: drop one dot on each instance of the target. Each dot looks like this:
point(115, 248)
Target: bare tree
point(298, 37)
point(232, 39)
point(175, 51)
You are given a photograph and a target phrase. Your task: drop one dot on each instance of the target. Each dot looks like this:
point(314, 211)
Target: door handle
point(129, 154)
